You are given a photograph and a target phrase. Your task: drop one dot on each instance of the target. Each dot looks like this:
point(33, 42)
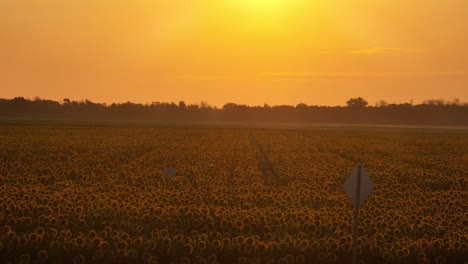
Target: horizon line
point(444, 101)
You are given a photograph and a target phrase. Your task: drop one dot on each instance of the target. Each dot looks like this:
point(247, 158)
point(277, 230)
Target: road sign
point(365, 186)
point(358, 186)
point(170, 172)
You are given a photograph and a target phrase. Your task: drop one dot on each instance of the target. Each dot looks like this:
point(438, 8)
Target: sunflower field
point(99, 194)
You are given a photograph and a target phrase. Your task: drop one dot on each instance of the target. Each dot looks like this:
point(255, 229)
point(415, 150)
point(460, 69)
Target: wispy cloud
point(367, 74)
point(213, 77)
point(317, 74)
point(380, 50)
point(311, 74)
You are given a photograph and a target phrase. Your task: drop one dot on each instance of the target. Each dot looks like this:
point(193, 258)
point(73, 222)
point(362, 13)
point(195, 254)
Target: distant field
point(97, 193)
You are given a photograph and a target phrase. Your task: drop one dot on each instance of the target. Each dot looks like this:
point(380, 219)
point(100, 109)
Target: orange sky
point(243, 51)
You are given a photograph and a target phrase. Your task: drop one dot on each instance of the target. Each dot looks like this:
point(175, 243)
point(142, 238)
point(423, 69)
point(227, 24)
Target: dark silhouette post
point(358, 186)
point(356, 215)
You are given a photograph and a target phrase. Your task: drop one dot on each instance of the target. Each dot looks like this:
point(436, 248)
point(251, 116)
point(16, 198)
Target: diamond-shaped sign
point(170, 172)
point(365, 188)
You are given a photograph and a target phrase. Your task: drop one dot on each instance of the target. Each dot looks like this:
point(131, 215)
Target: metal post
point(356, 215)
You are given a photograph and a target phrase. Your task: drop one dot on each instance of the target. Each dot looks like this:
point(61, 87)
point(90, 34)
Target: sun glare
point(264, 12)
point(265, 5)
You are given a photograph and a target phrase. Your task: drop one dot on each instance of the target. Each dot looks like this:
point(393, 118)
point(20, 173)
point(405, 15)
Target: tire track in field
point(232, 165)
point(327, 147)
point(267, 168)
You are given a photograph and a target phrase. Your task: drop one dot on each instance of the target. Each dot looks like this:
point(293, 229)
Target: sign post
point(170, 172)
point(358, 186)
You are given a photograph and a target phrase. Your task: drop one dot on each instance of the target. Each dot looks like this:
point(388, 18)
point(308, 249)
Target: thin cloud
point(380, 50)
point(316, 74)
point(363, 74)
point(212, 77)
point(321, 74)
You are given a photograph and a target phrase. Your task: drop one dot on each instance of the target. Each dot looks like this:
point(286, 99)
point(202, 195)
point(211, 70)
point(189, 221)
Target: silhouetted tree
point(229, 106)
point(438, 102)
point(182, 105)
point(204, 104)
point(381, 103)
point(357, 102)
point(301, 106)
point(431, 112)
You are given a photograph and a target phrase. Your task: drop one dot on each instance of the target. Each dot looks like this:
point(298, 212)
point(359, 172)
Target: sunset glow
point(246, 51)
point(233, 131)
point(262, 5)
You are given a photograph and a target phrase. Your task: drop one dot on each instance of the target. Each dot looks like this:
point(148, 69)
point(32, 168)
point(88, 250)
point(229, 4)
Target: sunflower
point(25, 258)
point(388, 256)
point(188, 248)
point(184, 260)
point(122, 252)
point(96, 241)
point(97, 257)
point(92, 234)
point(226, 242)
point(104, 246)
point(80, 259)
point(217, 244)
point(42, 256)
point(78, 242)
point(121, 244)
point(137, 242)
point(282, 261)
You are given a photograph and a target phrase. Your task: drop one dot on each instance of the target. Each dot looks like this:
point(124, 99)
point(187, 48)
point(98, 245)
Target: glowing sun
point(265, 4)
point(263, 12)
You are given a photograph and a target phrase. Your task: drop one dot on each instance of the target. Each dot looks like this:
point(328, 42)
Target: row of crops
point(99, 195)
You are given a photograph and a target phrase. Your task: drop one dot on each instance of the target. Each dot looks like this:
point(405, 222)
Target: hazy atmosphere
point(246, 51)
point(233, 131)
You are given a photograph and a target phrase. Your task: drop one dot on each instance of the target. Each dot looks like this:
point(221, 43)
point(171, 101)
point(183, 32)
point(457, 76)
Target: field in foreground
point(99, 195)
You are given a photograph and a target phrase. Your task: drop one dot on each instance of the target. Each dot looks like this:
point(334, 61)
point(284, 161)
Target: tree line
point(357, 111)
